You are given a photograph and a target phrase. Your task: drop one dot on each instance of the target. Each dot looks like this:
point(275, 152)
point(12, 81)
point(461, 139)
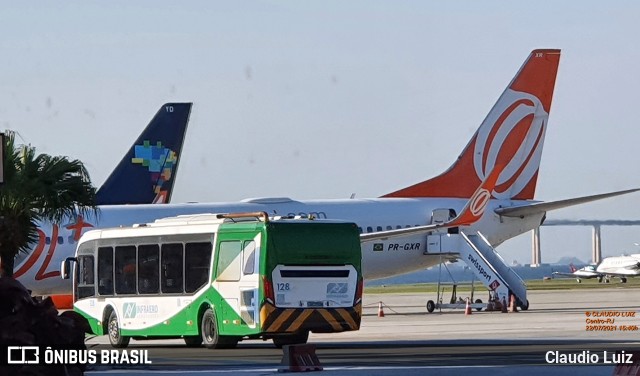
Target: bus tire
point(299, 338)
point(210, 335)
point(113, 331)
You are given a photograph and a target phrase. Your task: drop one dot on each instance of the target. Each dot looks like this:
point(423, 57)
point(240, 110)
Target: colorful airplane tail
point(572, 268)
point(512, 134)
point(147, 172)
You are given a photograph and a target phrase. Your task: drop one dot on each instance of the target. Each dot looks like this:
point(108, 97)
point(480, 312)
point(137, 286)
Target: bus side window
point(229, 261)
point(105, 271)
point(249, 255)
point(171, 266)
point(86, 277)
point(197, 259)
point(148, 268)
point(125, 269)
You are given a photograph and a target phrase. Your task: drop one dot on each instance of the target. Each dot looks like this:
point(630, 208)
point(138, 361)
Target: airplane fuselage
point(620, 266)
point(38, 271)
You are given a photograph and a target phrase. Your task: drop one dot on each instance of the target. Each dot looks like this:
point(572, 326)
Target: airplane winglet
point(471, 213)
point(543, 207)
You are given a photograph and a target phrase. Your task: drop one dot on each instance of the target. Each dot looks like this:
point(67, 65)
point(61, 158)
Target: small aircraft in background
point(616, 266)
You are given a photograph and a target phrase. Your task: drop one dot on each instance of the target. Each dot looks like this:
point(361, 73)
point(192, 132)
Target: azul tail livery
point(512, 134)
point(147, 172)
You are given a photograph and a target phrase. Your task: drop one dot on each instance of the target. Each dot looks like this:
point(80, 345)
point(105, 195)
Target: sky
point(324, 99)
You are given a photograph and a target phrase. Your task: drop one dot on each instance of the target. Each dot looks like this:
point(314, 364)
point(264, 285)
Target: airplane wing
point(471, 213)
point(542, 207)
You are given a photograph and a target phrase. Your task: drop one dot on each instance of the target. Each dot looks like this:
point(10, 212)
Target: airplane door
point(434, 239)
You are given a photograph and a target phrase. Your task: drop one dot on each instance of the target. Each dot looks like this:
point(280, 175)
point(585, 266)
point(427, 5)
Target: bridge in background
point(596, 248)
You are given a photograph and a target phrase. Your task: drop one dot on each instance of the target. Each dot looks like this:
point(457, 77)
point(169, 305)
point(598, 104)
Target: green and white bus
point(218, 279)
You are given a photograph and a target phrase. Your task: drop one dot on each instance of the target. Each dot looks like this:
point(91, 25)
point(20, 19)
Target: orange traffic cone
point(504, 305)
point(467, 309)
point(512, 305)
point(380, 311)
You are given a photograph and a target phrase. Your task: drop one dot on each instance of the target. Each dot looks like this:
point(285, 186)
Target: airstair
point(487, 265)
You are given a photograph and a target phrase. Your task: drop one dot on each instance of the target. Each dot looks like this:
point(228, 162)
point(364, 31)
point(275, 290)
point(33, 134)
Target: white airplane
point(586, 272)
point(617, 266)
point(502, 158)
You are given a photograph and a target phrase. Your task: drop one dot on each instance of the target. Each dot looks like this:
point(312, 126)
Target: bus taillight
point(359, 289)
point(268, 289)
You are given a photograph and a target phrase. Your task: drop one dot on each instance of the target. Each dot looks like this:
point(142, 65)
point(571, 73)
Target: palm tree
point(36, 188)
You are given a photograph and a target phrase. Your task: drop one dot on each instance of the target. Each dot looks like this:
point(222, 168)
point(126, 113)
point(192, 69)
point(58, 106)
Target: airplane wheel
point(623, 280)
point(431, 306)
point(479, 301)
point(525, 307)
point(579, 280)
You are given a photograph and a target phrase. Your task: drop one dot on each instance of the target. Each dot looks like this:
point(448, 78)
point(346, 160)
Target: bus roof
point(193, 224)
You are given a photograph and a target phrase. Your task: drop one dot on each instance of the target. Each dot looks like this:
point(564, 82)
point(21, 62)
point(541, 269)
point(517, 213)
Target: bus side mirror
point(65, 267)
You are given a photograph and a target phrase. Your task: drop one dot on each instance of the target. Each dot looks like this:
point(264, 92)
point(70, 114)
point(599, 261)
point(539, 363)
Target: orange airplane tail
point(512, 135)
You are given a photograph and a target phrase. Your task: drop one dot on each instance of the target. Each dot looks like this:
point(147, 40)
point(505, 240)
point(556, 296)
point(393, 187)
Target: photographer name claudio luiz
point(588, 357)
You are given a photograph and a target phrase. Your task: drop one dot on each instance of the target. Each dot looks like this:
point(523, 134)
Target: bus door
point(238, 280)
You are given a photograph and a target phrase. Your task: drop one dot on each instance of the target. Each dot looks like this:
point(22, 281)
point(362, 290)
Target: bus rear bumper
point(319, 320)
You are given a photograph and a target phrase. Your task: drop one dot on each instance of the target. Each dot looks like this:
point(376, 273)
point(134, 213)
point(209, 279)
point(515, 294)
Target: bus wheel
point(291, 339)
point(116, 340)
point(210, 336)
point(193, 341)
